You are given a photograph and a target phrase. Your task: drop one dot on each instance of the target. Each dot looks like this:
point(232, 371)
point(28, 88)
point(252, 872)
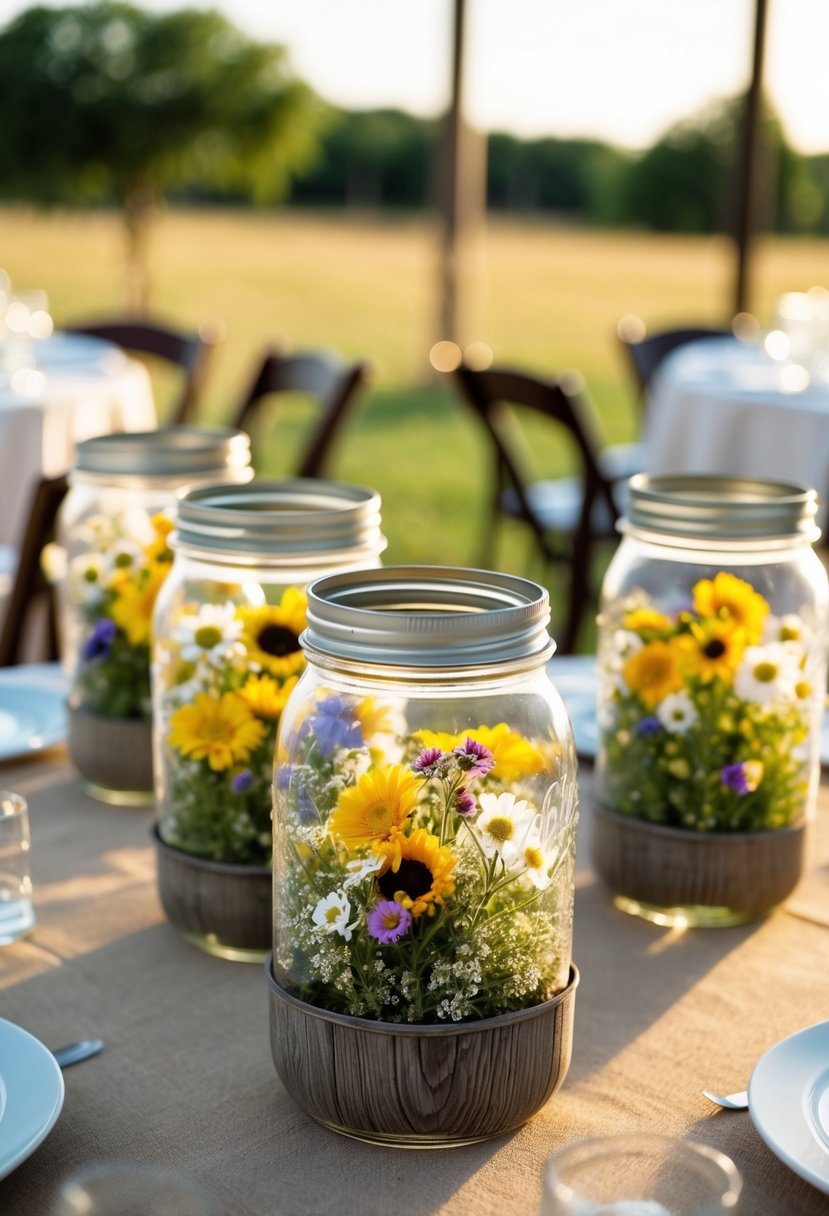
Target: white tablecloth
point(77, 387)
point(726, 407)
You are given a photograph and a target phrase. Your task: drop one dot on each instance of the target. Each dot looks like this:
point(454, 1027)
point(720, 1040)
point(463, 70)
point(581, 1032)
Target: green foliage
point(103, 100)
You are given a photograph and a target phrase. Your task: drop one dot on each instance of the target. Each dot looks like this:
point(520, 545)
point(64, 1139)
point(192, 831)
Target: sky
point(619, 70)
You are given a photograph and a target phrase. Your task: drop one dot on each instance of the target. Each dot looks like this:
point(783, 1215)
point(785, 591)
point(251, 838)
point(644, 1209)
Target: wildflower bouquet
point(112, 586)
point(706, 715)
point(420, 876)
point(222, 674)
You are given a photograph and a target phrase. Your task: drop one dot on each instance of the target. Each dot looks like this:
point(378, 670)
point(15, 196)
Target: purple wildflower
point(335, 726)
point(99, 643)
point(475, 759)
point(465, 803)
point(388, 921)
point(428, 761)
point(242, 782)
point(742, 778)
point(649, 725)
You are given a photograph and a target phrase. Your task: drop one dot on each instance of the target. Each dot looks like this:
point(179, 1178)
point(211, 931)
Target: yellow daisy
point(135, 596)
point(733, 600)
point(712, 649)
point(416, 871)
point(222, 731)
point(515, 756)
point(265, 696)
point(647, 620)
point(376, 807)
point(653, 672)
point(271, 632)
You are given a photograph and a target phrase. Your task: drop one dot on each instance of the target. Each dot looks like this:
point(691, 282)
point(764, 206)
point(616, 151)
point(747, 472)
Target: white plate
point(32, 708)
point(31, 1094)
point(576, 679)
point(788, 1100)
point(574, 675)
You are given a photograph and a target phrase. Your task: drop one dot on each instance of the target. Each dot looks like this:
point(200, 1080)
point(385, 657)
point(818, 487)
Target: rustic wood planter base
point(674, 877)
point(114, 756)
point(225, 910)
point(411, 1086)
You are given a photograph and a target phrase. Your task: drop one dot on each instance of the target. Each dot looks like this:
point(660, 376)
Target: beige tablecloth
point(186, 1079)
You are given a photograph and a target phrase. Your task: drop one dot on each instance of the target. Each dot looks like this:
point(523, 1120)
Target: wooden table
point(186, 1080)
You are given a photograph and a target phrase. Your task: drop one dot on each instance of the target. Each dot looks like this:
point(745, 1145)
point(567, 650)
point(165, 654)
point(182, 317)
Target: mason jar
point(424, 823)
point(113, 530)
point(712, 678)
point(226, 657)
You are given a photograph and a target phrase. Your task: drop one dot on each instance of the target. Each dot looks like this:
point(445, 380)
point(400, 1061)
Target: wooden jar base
point(410, 1086)
point(676, 877)
point(225, 910)
point(114, 756)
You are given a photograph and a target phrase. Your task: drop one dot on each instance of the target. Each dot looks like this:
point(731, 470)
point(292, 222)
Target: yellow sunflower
point(647, 620)
point(733, 600)
point(135, 596)
point(653, 672)
point(222, 731)
point(416, 871)
point(265, 696)
point(376, 807)
point(515, 756)
point(712, 649)
point(271, 632)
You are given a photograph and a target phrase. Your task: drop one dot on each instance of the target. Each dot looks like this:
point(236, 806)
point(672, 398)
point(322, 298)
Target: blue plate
point(33, 713)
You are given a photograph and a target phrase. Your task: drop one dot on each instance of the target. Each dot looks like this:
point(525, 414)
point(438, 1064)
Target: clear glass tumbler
point(640, 1175)
point(17, 914)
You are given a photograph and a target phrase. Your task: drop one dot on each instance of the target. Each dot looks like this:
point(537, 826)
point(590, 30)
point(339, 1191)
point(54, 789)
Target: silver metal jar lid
point(175, 451)
point(298, 520)
point(720, 508)
point(428, 617)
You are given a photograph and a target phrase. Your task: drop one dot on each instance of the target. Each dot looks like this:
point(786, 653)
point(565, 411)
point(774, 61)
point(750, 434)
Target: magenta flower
point(475, 759)
point(388, 921)
point(427, 762)
point(465, 803)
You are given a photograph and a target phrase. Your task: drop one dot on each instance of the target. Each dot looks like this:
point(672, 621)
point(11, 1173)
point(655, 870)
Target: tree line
point(684, 183)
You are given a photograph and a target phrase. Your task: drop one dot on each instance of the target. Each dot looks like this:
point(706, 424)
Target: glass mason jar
point(712, 677)
point(226, 656)
point(424, 801)
point(113, 528)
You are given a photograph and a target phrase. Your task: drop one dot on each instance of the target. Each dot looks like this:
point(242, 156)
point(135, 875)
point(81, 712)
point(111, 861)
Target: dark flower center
point(413, 877)
point(715, 649)
point(278, 640)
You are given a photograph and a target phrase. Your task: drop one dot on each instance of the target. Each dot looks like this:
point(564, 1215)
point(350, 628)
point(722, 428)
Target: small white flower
point(97, 532)
point(210, 634)
point(331, 915)
point(86, 579)
point(767, 674)
point(502, 824)
point(535, 860)
point(626, 644)
point(122, 555)
point(788, 628)
point(677, 713)
point(361, 868)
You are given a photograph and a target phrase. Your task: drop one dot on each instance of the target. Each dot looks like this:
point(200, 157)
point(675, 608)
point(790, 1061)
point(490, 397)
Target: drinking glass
point(640, 1175)
point(17, 914)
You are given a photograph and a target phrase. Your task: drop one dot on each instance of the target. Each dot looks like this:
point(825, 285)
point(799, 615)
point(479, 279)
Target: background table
point(186, 1079)
point(721, 406)
point(77, 387)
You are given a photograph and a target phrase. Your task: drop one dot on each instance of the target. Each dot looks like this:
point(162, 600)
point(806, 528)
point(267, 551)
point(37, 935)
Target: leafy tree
point(110, 102)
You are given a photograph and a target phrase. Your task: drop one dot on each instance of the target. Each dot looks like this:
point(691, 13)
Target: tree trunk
point(139, 212)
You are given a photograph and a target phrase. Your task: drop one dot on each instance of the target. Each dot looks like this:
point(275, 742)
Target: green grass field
point(542, 297)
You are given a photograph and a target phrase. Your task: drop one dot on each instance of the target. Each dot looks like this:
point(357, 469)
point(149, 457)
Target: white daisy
point(361, 868)
point(502, 824)
point(331, 915)
point(788, 628)
point(210, 634)
point(86, 579)
point(677, 713)
point(767, 674)
point(97, 532)
point(123, 554)
point(535, 860)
